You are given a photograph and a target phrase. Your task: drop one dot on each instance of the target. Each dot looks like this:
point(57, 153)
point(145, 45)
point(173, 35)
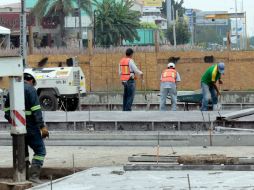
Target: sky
point(206, 5)
point(226, 5)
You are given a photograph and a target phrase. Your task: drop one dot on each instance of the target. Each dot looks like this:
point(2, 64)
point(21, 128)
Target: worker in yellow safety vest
point(128, 72)
point(169, 78)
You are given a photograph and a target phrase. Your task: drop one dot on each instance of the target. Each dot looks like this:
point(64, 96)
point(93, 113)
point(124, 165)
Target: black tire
point(70, 104)
point(48, 101)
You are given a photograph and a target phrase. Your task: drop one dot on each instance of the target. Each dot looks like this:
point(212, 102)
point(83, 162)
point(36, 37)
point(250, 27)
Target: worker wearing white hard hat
point(169, 78)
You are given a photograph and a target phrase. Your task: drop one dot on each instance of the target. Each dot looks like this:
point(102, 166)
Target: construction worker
point(36, 129)
point(128, 72)
point(169, 78)
point(208, 84)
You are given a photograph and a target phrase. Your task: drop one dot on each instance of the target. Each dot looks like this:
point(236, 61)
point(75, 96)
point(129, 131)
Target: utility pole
point(23, 48)
point(236, 24)
point(80, 27)
point(169, 16)
point(94, 28)
point(174, 26)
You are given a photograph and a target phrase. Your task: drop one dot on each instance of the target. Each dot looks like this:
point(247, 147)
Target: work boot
point(27, 169)
point(34, 174)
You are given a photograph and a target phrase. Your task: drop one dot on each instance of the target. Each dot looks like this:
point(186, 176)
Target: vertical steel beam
point(23, 42)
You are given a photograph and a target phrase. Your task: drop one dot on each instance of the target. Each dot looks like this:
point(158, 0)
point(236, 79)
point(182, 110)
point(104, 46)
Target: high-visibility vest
point(125, 69)
point(168, 75)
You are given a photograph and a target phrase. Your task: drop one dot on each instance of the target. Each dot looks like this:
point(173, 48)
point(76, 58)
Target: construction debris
point(235, 115)
point(189, 162)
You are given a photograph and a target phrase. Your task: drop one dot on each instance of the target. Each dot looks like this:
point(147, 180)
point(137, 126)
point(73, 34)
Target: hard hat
point(28, 75)
point(172, 65)
point(221, 67)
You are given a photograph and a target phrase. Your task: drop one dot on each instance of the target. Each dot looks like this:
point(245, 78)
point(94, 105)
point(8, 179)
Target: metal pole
point(94, 28)
point(236, 24)
point(192, 30)
point(80, 27)
point(169, 16)
point(246, 37)
point(174, 26)
point(23, 51)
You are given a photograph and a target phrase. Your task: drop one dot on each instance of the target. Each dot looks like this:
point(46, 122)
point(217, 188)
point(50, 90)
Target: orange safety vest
point(125, 70)
point(168, 75)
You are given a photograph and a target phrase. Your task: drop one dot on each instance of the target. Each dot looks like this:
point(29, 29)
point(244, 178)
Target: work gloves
point(44, 131)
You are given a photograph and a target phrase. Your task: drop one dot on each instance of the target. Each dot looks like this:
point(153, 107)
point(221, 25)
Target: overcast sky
point(208, 5)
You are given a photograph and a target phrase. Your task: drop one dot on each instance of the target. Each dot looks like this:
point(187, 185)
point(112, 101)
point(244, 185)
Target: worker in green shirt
point(208, 84)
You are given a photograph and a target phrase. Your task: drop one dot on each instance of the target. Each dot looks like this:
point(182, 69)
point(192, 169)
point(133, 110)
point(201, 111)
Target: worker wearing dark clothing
point(128, 72)
point(36, 129)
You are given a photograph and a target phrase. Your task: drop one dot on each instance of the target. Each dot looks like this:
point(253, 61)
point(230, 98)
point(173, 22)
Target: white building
point(153, 15)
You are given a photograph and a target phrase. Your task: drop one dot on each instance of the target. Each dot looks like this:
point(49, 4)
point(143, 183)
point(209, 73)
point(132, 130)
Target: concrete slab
point(134, 121)
point(142, 138)
point(236, 114)
point(114, 178)
point(120, 116)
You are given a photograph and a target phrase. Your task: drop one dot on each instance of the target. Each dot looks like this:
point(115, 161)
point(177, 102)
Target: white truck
point(59, 87)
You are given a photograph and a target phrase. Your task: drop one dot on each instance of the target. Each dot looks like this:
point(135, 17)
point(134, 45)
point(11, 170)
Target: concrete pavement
point(114, 178)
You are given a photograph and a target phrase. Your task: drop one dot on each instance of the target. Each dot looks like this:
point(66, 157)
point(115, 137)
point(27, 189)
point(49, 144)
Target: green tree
point(178, 6)
point(148, 25)
point(115, 21)
point(60, 8)
point(182, 33)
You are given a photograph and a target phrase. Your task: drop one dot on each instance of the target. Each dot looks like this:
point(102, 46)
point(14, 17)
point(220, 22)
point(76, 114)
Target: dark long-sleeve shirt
point(33, 111)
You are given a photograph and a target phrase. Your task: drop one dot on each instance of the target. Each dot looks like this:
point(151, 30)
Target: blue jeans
point(34, 140)
point(207, 92)
point(128, 95)
point(163, 97)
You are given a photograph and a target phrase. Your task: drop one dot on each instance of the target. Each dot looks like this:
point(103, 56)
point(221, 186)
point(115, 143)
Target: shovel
point(146, 99)
point(218, 106)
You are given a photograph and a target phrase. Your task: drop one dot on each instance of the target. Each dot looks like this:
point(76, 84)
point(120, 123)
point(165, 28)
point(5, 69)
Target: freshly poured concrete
point(114, 178)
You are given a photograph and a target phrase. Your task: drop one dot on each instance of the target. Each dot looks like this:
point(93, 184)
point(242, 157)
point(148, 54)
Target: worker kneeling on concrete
point(208, 85)
point(36, 129)
point(169, 78)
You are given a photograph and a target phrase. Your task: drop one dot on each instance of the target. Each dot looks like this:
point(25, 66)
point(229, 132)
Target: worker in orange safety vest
point(128, 72)
point(169, 78)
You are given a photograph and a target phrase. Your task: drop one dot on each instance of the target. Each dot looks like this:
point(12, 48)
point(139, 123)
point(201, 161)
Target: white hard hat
point(29, 75)
point(172, 65)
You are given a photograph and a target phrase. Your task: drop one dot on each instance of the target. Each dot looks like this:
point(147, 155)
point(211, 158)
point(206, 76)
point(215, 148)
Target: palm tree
point(115, 21)
point(60, 8)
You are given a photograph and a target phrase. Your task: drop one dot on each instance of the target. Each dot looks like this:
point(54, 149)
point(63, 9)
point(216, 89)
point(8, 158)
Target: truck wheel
point(71, 104)
point(48, 101)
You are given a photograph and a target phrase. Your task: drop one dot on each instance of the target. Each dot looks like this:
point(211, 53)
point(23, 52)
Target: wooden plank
point(152, 158)
point(170, 167)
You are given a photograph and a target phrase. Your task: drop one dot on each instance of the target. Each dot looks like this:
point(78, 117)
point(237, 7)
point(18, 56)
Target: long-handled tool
point(146, 98)
point(173, 152)
point(158, 148)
